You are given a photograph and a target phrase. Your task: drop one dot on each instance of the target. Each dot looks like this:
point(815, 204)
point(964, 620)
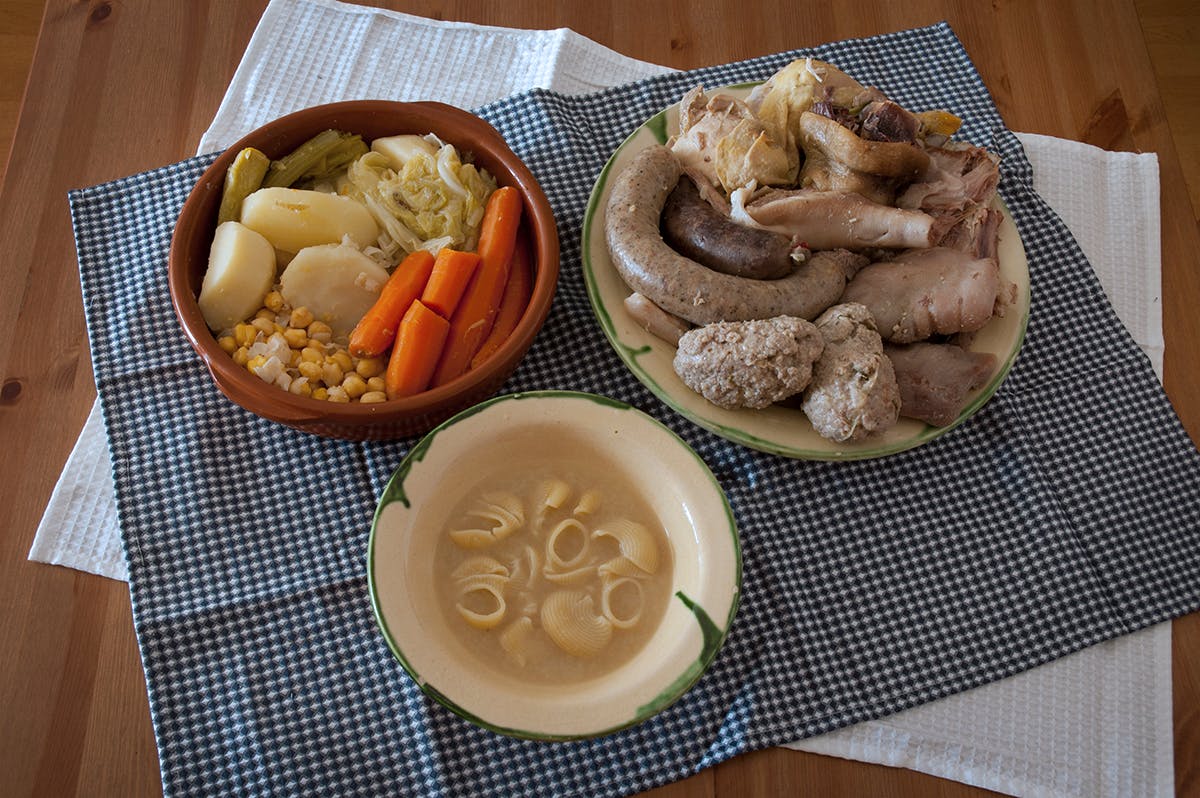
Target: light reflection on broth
point(552, 568)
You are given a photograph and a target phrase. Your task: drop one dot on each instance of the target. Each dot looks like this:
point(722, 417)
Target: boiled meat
point(834, 219)
point(927, 292)
point(936, 379)
point(835, 159)
point(752, 364)
point(853, 392)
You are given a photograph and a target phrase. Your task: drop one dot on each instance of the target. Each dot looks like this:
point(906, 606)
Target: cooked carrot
point(415, 354)
point(512, 303)
point(452, 271)
point(376, 330)
point(472, 321)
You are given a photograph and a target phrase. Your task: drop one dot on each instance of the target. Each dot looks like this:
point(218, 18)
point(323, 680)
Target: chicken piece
point(721, 143)
point(834, 219)
point(835, 159)
point(798, 86)
point(924, 292)
point(936, 379)
point(749, 364)
point(853, 392)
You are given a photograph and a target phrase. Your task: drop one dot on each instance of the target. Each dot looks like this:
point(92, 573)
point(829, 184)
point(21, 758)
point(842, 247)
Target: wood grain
point(120, 86)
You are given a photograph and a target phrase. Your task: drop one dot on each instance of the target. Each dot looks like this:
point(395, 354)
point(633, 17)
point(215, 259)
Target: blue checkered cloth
point(1065, 513)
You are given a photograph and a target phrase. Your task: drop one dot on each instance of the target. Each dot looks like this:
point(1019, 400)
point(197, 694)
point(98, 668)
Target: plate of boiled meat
point(805, 267)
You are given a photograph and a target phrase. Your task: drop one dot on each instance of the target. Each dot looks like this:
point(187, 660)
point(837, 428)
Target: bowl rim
point(537, 218)
point(714, 631)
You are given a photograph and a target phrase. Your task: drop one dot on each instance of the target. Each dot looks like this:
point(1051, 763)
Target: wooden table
point(121, 87)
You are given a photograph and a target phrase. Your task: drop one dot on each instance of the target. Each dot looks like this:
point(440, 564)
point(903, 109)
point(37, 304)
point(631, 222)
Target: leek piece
point(243, 177)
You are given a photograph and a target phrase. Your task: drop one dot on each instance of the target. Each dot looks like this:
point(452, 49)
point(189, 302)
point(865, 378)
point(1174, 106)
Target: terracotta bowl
point(395, 418)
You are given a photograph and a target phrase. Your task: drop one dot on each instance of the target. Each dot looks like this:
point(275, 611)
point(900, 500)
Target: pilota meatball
point(749, 364)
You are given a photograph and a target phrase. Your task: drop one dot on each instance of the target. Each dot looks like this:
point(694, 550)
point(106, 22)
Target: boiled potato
point(337, 282)
point(399, 149)
point(294, 218)
point(241, 269)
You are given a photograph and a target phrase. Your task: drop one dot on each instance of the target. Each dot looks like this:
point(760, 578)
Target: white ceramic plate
point(778, 430)
point(684, 496)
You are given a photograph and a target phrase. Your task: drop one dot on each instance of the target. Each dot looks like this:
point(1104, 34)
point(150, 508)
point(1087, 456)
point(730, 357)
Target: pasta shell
point(504, 514)
point(481, 564)
point(588, 503)
point(559, 553)
point(551, 494)
point(515, 639)
point(619, 567)
point(606, 600)
point(483, 620)
point(634, 541)
point(496, 582)
point(524, 566)
point(571, 577)
point(571, 621)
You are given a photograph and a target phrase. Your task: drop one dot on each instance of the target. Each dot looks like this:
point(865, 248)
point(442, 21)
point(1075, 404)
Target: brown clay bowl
point(395, 418)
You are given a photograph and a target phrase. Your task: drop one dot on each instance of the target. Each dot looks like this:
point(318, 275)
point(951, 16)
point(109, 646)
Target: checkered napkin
point(1063, 514)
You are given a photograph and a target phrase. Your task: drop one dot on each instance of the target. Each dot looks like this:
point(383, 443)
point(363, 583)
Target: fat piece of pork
point(853, 392)
point(750, 364)
point(927, 292)
point(936, 379)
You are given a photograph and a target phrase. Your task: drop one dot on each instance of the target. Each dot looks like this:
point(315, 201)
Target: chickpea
point(320, 331)
point(301, 317)
point(296, 338)
point(369, 367)
point(332, 374)
point(311, 370)
point(354, 385)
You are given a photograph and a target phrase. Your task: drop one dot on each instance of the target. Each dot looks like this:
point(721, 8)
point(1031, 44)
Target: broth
point(552, 569)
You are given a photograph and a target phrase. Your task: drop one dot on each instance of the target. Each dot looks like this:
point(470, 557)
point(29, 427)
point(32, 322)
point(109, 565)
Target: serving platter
point(778, 429)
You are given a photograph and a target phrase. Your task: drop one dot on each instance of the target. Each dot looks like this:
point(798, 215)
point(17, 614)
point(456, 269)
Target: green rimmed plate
point(778, 430)
point(685, 497)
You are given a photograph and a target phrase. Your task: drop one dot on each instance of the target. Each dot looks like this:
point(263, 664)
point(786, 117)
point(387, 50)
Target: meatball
point(748, 364)
point(853, 392)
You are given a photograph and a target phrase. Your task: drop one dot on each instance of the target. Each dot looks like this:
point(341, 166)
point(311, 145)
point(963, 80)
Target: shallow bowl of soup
point(554, 565)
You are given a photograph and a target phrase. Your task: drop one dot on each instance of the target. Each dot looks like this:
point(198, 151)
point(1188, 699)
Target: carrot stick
point(418, 345)
point(512, 303)
point(452, 271)
point(376, 330)
point(472, 321)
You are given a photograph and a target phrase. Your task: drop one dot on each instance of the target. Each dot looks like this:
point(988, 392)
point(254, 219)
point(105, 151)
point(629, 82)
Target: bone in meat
point(835, 219)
